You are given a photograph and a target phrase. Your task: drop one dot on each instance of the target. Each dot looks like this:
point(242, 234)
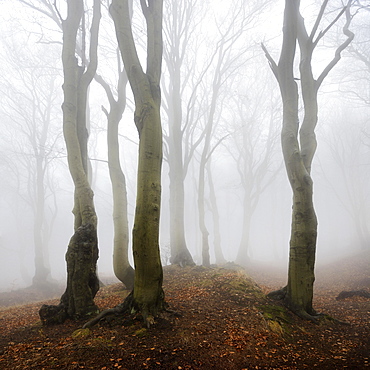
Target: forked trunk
point(148, 296)
point(82, 254)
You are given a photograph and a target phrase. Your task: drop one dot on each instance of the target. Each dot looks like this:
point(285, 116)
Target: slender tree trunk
point(148, 296)
point(42, 273)
point(298, 153)
point(219, 256)
point(201, 211)
point(243, 257)
point(121, 266)
point(304, 224)
point(299, 291)
point(179, 252)
point(42, 277)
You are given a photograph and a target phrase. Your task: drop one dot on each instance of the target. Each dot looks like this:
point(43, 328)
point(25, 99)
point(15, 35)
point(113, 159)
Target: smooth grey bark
point(219, 256)
point(299, 146)
point(177, 30)
point(121, 266)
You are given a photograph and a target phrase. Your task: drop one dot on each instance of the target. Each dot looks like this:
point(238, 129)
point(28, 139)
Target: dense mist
point(229, 112)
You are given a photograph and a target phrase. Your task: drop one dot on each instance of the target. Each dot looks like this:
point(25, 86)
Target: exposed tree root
point(128, 307)
point(281, 295)
point(278, 295)
point(123, 308)
point(305, 315)
point(313, 316)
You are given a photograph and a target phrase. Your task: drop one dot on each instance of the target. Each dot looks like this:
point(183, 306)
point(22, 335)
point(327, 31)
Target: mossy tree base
point(281, 295)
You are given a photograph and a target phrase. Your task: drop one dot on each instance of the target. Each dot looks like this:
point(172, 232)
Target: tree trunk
point(82, 254)
point(298, 294)
point(219, 256)
point(304, 224)
point(180, 254)
point(42, 272)
point(243, 257)
point(201, 211)
point(298, 155)
point(121, 266)
point(148, 296)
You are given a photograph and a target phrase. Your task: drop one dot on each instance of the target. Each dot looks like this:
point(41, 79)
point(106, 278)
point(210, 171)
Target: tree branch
point(322, 33)
point(318, 20)
point(350, 35)
point(271, 61)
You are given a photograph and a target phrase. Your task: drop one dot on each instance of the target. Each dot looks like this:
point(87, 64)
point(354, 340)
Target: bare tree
point(253, 146)
point(121, 266)
point(348, 154)
point(179, 30)
point(82, 253)
point(299, 145)
point(225, 59)
point(147, 295)
point(30, 96)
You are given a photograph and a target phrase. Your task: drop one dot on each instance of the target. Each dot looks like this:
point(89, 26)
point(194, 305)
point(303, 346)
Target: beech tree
point(30, 102)
point(121, 265)
point(253, 151)
point(147, 295)
point(299, 144)
point(224, 60)
point(179, 29)
point(348, 153)
point(82, 254)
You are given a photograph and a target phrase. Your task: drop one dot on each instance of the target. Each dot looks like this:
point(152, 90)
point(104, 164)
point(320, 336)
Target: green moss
point(142, 332)
point(275, 327)
point(81, 333)
point(278, 319)
point(101, 342)
point(206, 283)
point(274, 312)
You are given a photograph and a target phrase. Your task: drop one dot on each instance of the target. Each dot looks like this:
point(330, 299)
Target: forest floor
point(223, 321)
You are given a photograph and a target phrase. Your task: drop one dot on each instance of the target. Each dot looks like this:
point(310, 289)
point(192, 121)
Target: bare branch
point(318, 19)
point(271, 61)
point(350, 35)
point(322, 33)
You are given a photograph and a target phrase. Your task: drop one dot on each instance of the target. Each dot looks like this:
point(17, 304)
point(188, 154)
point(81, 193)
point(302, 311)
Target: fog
point(245, 155)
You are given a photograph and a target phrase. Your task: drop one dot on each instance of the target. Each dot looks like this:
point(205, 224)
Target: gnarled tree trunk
point(82, 254)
